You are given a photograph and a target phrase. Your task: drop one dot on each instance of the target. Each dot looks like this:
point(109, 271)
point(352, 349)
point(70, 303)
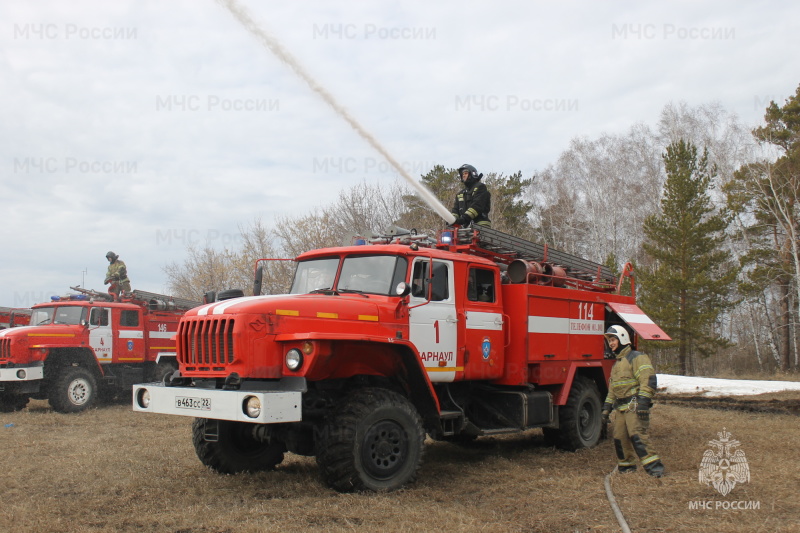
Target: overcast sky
point(145, 126)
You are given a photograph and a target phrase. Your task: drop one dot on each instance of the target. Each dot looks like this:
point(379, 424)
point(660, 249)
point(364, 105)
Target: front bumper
point(22, 373)
point(283, 404)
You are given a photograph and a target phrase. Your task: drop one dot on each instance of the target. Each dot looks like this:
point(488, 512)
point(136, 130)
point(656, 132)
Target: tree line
point(706, 209)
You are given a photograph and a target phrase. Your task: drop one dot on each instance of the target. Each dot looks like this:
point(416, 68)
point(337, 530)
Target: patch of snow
point(670, 384)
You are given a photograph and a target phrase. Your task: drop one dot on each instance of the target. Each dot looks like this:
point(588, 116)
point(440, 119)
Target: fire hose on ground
point(613, 501)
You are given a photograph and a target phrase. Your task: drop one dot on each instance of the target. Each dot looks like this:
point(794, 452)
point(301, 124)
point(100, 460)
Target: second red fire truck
point(478, 333)
point(10, 317)
point(79, 346)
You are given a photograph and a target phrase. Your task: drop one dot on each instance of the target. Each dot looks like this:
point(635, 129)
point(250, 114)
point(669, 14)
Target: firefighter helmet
point(620, 333)
point(112, 256)
point(473, 172)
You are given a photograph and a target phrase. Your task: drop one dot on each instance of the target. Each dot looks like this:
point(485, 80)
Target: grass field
point(110, 469)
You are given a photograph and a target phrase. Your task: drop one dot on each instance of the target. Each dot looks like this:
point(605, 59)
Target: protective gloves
point(463, 220)
point(606, 413)
point(643, 404)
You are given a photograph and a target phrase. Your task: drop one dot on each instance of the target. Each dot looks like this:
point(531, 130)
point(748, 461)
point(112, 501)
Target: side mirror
point(258, 280)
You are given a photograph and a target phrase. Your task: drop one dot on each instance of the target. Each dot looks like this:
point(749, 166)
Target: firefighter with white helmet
point(630, 393)
point(117, 276)
point(473, 203)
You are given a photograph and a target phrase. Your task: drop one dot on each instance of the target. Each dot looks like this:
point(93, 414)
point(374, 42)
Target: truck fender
point(422, 393)
point(591, 369)
point(59, 357)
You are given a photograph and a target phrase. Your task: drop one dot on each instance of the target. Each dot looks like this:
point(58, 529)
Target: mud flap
point(211, 431)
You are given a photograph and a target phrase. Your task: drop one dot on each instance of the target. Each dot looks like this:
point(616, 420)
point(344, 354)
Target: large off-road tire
point(236, 449)
point(73, 390)
point(229, 293)
point(372, 441)
point(162, 369)
point(11, 403)
point(580, 421)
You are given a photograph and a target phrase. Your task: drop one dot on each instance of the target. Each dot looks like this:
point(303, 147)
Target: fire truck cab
point(78, 346)
point(378, 345)
point(10, 317)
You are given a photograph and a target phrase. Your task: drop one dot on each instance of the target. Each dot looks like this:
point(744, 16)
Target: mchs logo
point(723, 465)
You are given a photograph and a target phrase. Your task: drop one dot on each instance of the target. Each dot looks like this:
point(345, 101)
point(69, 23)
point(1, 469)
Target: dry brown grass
point(110, 469)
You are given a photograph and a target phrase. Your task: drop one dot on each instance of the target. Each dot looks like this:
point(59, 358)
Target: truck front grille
point(5, 348)
point(206, 342)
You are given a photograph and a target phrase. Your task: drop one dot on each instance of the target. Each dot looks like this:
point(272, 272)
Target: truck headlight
point(143, 398)
point(21, 374)
point(252, 407)
point(294, 359)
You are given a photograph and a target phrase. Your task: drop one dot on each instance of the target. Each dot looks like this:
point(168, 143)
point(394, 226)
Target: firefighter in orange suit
point(117, 275)
point(630, 393)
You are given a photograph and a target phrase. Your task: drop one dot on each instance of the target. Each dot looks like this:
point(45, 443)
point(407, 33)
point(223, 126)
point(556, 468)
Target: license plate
point(186, 402)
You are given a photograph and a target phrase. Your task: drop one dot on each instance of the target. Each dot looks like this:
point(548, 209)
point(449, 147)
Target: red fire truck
point(476, 333)
point(79, 346)
point(12, 316)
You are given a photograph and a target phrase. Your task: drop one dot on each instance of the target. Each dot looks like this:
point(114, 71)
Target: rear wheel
point(236, 448)
point(373, 441)
point(579, 420)
point(74, 390)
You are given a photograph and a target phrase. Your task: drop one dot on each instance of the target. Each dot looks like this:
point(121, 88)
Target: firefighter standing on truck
point(630, 393)
point(117, 275)
point(474, 202)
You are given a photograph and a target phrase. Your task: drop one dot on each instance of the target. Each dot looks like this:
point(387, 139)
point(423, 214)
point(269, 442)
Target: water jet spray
point(272, 44)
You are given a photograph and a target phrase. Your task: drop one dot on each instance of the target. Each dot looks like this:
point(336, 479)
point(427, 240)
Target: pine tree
point(509, 209)
point(692, 276)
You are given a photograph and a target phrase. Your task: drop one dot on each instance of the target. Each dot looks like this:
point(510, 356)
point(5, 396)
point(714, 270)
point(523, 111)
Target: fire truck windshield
point(374, 274)
point(314, 275)
point(70, 315)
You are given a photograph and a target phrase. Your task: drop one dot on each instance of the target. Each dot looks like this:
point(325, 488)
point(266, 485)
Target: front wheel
point(234, 447)
point(11, 403)
point(162, 369)
point(373, 441)
point(74, 390)
point(579, 420)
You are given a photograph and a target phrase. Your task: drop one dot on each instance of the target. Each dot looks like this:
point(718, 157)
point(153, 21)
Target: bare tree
point(204, 269)
point(593, 200)
point(207, 269)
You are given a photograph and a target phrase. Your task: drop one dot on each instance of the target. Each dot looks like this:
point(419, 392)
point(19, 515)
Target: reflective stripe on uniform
point(639, 370)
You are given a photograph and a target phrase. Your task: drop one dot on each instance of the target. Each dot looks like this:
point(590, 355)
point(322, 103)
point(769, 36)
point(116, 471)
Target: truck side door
point(129, 344)
point(484, 338)
point(432, 317)
point(100, 334)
